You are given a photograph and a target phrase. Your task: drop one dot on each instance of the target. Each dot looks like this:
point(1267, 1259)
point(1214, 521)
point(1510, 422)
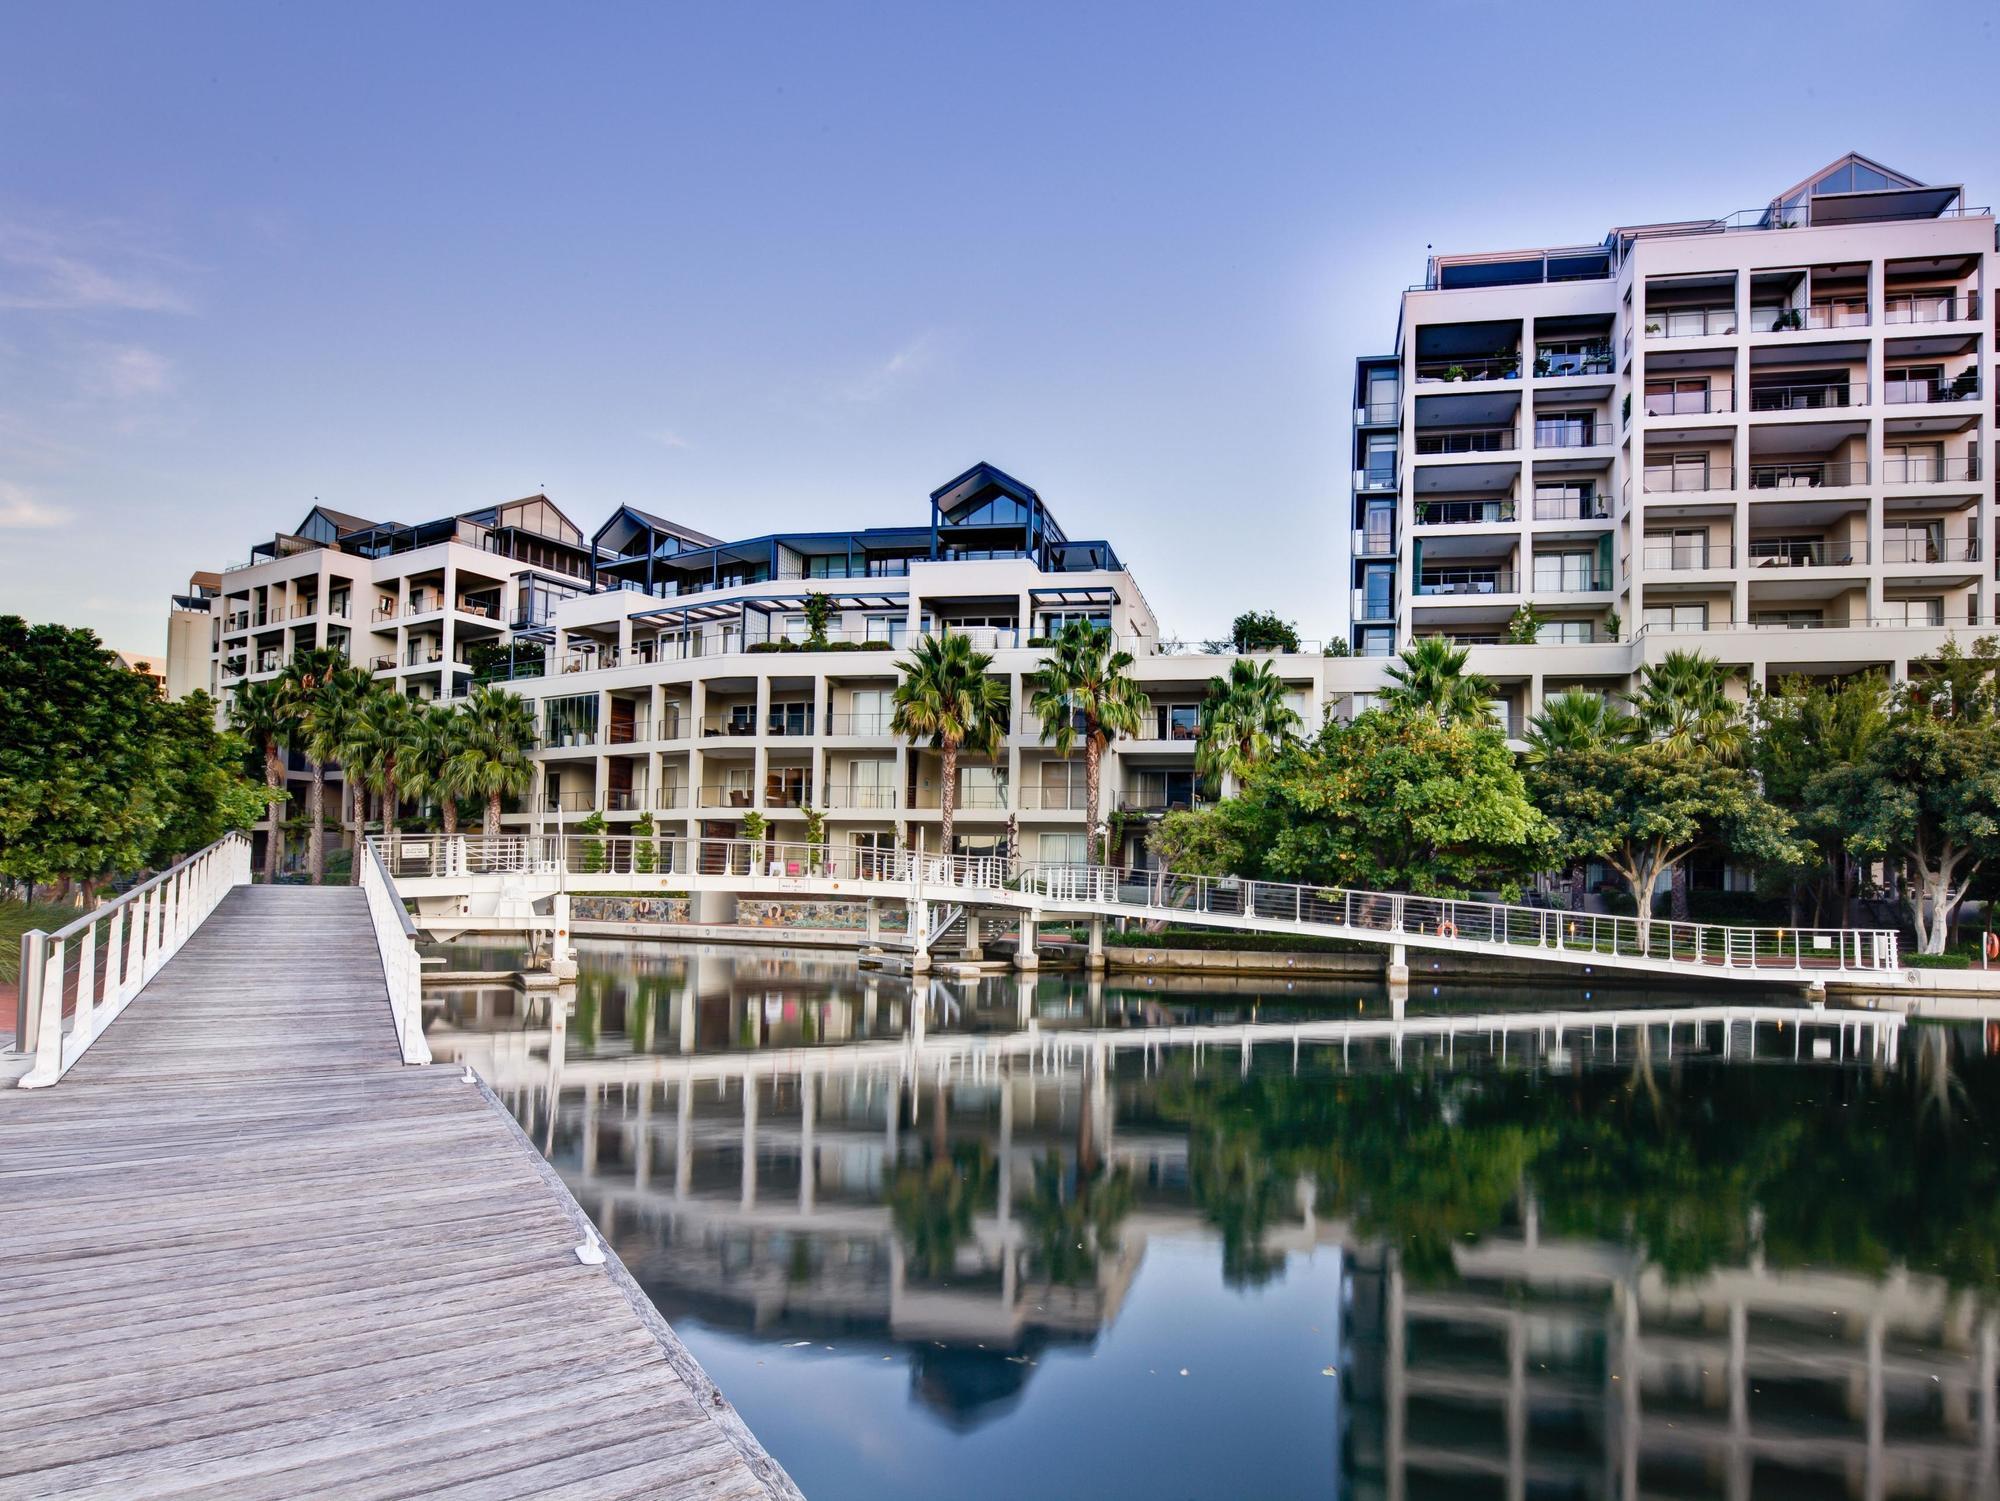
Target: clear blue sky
point(762, 267)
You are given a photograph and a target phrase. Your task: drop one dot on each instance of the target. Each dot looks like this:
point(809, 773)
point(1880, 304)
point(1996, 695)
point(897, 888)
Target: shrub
point(1261, 630)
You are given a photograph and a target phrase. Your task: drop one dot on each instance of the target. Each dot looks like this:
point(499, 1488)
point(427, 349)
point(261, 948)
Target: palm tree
point(321, 692)
point(384, 739)
point(1431, 681)
point(1683, 706)
point(945, 696)
point(1572, 724)
point(493, 763)
point(431, 771)
point(1085, 684)
point(259, 714)
point(1244, 720)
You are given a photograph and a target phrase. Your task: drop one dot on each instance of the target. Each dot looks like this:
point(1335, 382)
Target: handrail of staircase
point(396, 940)
point(91, 969)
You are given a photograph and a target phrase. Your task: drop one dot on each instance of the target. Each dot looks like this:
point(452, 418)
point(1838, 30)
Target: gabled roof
point(1873, 175)
point(661, 524)
point(979, 478)
point(342, 521)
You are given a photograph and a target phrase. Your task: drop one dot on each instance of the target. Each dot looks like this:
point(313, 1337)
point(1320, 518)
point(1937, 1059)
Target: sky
point(762, 267)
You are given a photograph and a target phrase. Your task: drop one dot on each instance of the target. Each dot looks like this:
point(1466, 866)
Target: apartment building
point(1765, 435)
point(674, 673)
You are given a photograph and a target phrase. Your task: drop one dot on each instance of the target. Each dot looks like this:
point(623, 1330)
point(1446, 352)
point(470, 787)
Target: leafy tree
point(946, 696)
point(1200, 842)
point(1575, 724)
point(1243, 721)
point(1430, 680)
point(322, 693)
point(819, 612)
point(1085, 687)
point(259, 713)
point(1262, 630)
point(493, 761)
point(385, 741)
point(1805, 737)
point(1524, 625)
point(202, 792)
point(433, 769)
point(591, 843)
point(1072, 1217)
point(645, 853)
point(1683, 707)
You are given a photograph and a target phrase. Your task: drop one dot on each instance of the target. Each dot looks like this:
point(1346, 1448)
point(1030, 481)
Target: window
point(890, 628)
point(1683, 547)
point(1576, 501)
point(1667, 398)
point(1379, 459)
point(571, 720)
point(1063, 786)
point(1565, 572)
point(792, 719)
point(1378, 642)
point(982, 787)
point(785, 787)
point(1177, 721)
point(1789, 620)
point(1677, 617)
point(1913, 542)
point(1062, 849)
point(1568, 632)
point(1572, 357)
point(1904, 383)
point(1913, 611)
point(1564, 430)
point(1053, 621)
point(868, 713)
point(1912, 463)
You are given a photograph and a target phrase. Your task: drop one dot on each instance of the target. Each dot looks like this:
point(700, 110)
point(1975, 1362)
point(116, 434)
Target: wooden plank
point(252, 1255)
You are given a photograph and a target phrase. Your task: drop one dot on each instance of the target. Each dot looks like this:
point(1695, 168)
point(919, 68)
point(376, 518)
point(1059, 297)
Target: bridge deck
point(251, 1254)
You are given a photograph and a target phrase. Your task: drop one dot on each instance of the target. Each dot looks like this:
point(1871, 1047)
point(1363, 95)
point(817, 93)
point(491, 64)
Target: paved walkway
point(249, 1253)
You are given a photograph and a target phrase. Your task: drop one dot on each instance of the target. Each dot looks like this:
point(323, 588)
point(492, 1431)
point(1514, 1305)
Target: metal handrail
point(137, 933)
point(396, 942)
point(1469, 440)
point(1778, 554)
point(1807, 475)
point(1811, 397)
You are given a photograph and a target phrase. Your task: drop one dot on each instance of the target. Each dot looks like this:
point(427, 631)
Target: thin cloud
point(43, 269)
point(128, 372)
point(20, 511)
point(666, 437)
point(873, 384)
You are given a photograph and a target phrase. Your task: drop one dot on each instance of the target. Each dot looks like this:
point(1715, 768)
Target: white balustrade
point(98, 963)
point(396, 939)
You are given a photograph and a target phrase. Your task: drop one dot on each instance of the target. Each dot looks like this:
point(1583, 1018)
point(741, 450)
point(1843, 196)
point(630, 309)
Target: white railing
point(396, 940)
point(91, 969)
point(1445, 921)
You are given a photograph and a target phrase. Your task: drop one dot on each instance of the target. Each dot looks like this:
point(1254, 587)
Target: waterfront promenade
point(251, 1253)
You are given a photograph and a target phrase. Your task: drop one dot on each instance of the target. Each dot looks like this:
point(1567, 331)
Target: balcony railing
point(382, 662)
point(725, 797)
point(1929, 471)
point(670, 797)
point(1807, 476)
point(729, 725)
point(1790, 554)
point(625, 800)
point(788, 795)
point(867, 722)
point(1046, 799)
point(1685, 557)
point(1573, 508)
point(1680, 479)
point(1555, 366)
point(421, 658)
point(570, 802)
point(1815, 397)
point(1372, 607)
point(1377, 413)
point(1690, 323)
point(1929, 307)
point(1778, 320)
point(1379, 478)
point(1374, 542)
point(861, 798)
point(383, 612)
point(1930, 550)
point(628, 732)
point(1156, 800)
point(1495, 367)
point(1572, 581)
point(1569, 434)
point(1961, 387)
point(1464, 512)
point(1470, 440)
point(1466, 581)
point(791, 726)
point(1690, 403)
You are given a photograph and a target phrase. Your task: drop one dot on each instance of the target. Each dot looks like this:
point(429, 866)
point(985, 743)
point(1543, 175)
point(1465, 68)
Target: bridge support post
point(920, 936)
point(1094, 957)
point(1025, 956)
point(562, 961)
point(973, 952)
point(874, 923)
point(1398, 977)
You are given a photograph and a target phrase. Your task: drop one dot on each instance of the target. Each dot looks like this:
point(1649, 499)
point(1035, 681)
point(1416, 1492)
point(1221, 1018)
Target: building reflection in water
point(1741, 1252)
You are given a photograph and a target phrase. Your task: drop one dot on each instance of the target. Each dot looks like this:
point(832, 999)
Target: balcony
point(1682, 479)
point(1961, 387)
point(1572, 580)
point(422, 658)
point(628, 732)
point(1685, 557)
point(1378, 479)
point(731, 726)
point(1464, 512)
point(791, 794)
point(1378, 414)
point(1929, 470)
point(1374, 542)
point(1690, 323)
point(1432, 583)
point(1569, 433)
point(861, 799)
point(1785, 553)
point(1051, 799)
point(1779, 320)
point(1591, 507)
point(1372, 607)
point(1930, 550)
point(1151, 800)
point(625, 800)
point(1470, 440)
point(382, 662)
point(670, 797)
point(1452, 371)
point(1811, 475)
point(1816, 397)
point(382, 613)
point(1929, 307)
point(1690, 403)
point(724, 797)
point(570, 802)
point(1554, 365)
point(869, 722)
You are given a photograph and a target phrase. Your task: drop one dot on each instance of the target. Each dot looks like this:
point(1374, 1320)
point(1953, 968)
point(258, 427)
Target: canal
point(1147, 1238)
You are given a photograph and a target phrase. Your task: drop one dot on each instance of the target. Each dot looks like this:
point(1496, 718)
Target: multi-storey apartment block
point(675, 674)
point(1765, 435)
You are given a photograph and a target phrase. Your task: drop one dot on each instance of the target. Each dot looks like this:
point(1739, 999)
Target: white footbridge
point(481, 883)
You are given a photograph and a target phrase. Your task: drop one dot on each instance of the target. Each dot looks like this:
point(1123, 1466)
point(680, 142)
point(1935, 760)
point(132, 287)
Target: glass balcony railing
point(1810, 475)
point(1463, 368)
point(1371, 606)
point(1929, 470)
point(1464, 512)
point(1432, 583)
point(1551, 365)
point(1374, 542)
point(1813, 397)
point(1469, 440)
point(1680, 479)
point(1793, 553)
point(1690, 323)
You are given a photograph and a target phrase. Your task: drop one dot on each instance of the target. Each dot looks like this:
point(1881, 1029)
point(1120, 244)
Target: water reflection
point(1745, 1252)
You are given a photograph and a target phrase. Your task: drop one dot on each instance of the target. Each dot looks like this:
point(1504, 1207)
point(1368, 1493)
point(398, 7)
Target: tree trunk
point(1576, 880)
point(492, 812)
point(360, 817)
point(1092, 770)
point(1678, 908)
point(274, 779)
point(448, 814)
point(391, 834)
point(316, 826)
point(947, 795)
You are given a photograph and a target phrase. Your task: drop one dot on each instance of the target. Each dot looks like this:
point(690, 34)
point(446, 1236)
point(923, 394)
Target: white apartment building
point(671, 673)
point(1766, 436)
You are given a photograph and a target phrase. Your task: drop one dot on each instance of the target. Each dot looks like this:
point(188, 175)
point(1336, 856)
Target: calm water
point(1157, 1241)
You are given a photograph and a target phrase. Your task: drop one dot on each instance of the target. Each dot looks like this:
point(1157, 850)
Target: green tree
point(1575, 724)
point(1263, 630)
point(946, 696)
point(1683, 707)
point(201, 790)
point(322, 693)
point(1430, 680)
point(1244, 719)
point(819, 613)
point(590, 844)
point(1085, 687)
point(259, 714)
point(433, 770)
point(384, 744)
point(1806, 736)
point(493, 763)
point(645, 852)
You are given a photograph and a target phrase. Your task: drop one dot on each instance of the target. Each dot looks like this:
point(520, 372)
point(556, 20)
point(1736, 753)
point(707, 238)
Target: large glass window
point(1677, 617)
point(570, 720)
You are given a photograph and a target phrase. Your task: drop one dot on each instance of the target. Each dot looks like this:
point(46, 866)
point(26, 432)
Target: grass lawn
point(15, 919)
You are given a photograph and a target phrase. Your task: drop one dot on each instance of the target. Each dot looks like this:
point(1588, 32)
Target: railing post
point(85, 1012)
point(27, 1001)
point(48, 1022)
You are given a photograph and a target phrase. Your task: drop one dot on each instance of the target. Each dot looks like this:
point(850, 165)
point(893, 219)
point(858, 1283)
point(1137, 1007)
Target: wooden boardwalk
point(249, 1253)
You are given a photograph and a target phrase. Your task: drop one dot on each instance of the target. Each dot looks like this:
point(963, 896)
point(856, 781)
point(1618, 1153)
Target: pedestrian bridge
point(524, 881)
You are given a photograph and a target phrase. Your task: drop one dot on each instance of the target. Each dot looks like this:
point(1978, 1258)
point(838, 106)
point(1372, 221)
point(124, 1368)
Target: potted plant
point(1454, 372)
point(1543, 366)
point(819, 611)
point(816, 841)
point(1613, 626)
point(643, 852)
point(1652, 329)
point(1510, 364)
point(753, 835)
point(1524, 626)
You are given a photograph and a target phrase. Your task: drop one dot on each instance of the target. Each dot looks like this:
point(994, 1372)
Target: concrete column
point(447, 642)
point(686, 1029)
point(973, 953)
point(642, 1139)
point(749, 1197)
point(1025, 956)
point(683, 1137)
point(808, 1157)
point(562, 960)
point(1094, 959)
point(874, 922)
